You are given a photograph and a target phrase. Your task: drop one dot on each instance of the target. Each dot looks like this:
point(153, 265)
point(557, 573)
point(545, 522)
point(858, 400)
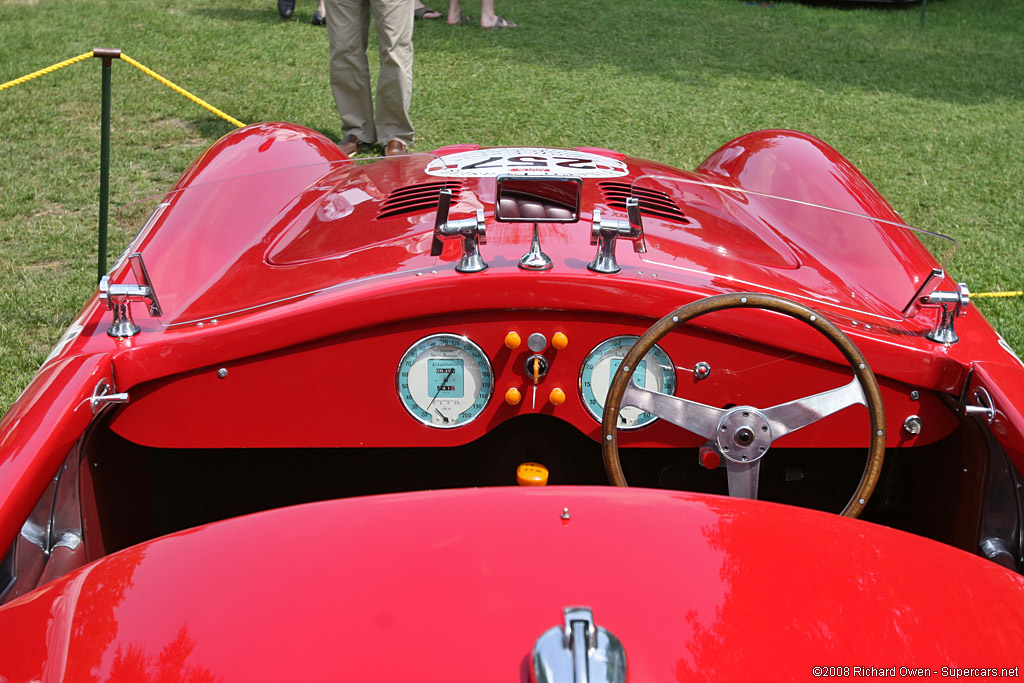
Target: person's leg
point(454, 12)
point(319, 17)
point(394, 83)
point(348, 25)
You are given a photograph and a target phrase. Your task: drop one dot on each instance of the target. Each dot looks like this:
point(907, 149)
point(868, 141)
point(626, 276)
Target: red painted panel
point(341, 391)
point(37, 433)
point(458, 585)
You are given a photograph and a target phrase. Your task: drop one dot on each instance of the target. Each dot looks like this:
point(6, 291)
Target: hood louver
point(417, 198)
point(652, 202)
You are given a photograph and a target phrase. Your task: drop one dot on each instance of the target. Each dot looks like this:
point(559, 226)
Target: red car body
point(246, 487)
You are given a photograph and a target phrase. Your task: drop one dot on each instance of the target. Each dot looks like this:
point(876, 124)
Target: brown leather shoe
point(394, 148)
point(351, 144)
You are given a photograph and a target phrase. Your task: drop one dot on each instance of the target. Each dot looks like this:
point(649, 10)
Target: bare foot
point(496, 23)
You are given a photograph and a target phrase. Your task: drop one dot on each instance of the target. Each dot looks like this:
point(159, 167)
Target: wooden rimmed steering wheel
point(743, 434)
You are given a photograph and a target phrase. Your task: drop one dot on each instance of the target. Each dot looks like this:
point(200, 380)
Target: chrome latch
point(981, 405)
point(119, 298)
point(102, 395)
point(579, 651)
point(472, 231)
point(604, 232)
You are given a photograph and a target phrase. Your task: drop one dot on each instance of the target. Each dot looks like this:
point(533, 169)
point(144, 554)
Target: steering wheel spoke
point(743, 478)
point(690, 415)
point(786, 418)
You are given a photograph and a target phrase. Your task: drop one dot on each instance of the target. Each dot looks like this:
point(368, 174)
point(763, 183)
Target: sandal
point(464, 20)
point(422, 12)
point(500, 23)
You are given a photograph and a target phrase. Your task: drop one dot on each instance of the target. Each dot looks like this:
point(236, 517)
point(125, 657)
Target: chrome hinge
point(472, 231)
point(579, 651)
point(604, 232)
point(120, 297)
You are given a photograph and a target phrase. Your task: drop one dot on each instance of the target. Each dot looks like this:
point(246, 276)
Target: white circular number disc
point(496, 161)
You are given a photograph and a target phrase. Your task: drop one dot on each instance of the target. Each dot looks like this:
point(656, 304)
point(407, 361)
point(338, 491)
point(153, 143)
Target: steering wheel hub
point(743, 435)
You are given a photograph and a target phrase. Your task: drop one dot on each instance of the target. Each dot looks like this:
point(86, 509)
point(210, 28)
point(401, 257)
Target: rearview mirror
point(538, 199)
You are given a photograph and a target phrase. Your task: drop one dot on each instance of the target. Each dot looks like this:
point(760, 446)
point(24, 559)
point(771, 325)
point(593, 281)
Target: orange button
point(513, 397)
point(532, 474)
point(556, 397)
point(513, 340)
point(559, 341)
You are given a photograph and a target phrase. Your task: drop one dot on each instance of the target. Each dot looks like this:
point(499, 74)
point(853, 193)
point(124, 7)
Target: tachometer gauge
point(445, 381)
point(654, 372)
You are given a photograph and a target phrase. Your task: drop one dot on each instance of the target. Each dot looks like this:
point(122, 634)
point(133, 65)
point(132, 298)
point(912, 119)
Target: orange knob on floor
point(532, 474)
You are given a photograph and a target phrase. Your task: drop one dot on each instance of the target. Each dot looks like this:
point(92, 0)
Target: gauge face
point(444, 381)
point(655, 372)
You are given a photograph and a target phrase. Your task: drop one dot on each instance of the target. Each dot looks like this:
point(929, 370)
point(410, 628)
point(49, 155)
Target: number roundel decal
point(492, 162)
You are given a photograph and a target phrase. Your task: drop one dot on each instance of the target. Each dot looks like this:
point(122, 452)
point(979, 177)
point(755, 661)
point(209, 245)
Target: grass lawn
point(932, 114)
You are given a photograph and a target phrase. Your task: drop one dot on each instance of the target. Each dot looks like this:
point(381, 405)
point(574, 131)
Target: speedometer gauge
point(444, 381)
point(654, 372)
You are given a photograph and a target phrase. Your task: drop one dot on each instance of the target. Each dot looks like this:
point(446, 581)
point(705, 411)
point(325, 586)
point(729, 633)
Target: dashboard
point(449, 380)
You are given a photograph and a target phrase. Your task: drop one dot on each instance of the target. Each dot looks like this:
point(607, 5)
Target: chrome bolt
point(222, 373)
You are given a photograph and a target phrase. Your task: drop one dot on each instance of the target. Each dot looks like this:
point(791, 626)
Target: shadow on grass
point(950, 59)
point(244, 15)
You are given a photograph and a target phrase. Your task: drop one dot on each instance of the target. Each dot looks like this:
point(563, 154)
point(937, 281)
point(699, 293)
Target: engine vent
point(416, 198)
point(652, 202)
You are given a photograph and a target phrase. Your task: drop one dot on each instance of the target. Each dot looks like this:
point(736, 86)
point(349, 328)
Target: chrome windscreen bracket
point(930, 284)
point(604, 232)
point(472, 231)
point(119, 298)
point(578, 651)
point(953, 305)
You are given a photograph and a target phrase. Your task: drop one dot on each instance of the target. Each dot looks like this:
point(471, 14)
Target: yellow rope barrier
point(140, 67)
point(182, 91)
point(998, 295)
point(49, 69)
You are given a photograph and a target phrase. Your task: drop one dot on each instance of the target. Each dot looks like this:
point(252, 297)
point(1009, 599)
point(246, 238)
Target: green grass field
point(933, 114)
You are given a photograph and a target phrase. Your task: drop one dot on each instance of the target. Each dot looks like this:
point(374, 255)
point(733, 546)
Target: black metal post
point(108, 55)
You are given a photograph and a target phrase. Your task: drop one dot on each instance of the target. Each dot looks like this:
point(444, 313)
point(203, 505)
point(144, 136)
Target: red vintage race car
point(357, 418)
